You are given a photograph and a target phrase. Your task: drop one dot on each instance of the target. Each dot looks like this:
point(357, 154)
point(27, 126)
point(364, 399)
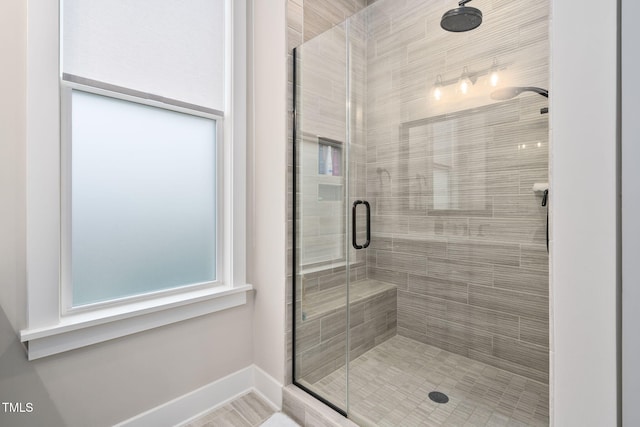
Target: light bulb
point(493, 79)
point(465, 81)
point(493, 74)
point(437, 88)
point(464, 86)
point(437, 93)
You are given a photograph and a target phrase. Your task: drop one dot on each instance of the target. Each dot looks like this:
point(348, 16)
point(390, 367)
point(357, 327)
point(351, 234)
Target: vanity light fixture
point(468, 79)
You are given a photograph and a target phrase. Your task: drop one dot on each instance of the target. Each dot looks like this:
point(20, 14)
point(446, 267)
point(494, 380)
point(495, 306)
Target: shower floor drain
point(438, 397)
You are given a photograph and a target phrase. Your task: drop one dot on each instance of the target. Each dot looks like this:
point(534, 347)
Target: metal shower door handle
point(354, 223)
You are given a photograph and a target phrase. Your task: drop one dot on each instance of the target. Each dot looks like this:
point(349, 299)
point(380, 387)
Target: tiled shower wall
point(456, 224)
point(472, 279)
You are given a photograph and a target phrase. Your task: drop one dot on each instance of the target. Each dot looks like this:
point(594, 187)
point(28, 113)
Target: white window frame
point(50, 328)
point(69, 85)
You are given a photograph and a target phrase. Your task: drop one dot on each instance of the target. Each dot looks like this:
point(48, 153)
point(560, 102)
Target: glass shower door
point(321, 257)
point(334, 322)
point(420, 261)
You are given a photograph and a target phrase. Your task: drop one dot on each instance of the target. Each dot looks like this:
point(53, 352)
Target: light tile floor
point(246, 411)
point(389, 386)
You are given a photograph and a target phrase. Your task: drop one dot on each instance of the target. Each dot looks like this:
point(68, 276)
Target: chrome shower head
point(511, 92)
point(462, 18)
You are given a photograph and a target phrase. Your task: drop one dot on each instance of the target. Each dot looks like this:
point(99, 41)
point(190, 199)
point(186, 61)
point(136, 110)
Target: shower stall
point(420, 266)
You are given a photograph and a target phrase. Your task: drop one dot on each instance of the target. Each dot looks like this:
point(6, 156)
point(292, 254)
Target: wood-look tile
point(334, 12)
point(524, 371)
point(534, 331)
point(307, 334)
point(400, 205)
point(413, 314)
point(457, 339)
point(519, 206)
point(360, 341)
point(398, 278)
point(414, 321)
point(428, 246)
point(229, 419)
point(333, 325)
point(294, 14)
point(252, 408)
point(507, 230)
point(323, 353)
point(356, 313)
point(380, 305)
point(439, 226)
point(440, 288)
point(332, 280)
point(373, 314)
point(477, 205)
point(393, 151)
point(292, 406)
point(375, 327)
point(409, 263)
point(248, 410)
point(389, 224)
point(522, 353)
point(507, 154)
point(516, 303)
point(399, 373)
point(535, 257)
point(491, 321)
point(528, 177)
point(460, 270)
point(485, 252)
point(380, 241)
point(521, 280)
point(422, 304)
point(502, 182)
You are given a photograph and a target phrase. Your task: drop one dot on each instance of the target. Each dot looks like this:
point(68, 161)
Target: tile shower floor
point(389, 386)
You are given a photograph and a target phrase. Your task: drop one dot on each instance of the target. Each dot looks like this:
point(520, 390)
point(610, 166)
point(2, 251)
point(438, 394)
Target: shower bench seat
point(326, 302)
point(321, 325)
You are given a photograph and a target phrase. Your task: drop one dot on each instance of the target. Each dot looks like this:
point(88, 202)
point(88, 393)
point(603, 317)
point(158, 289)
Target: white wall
point(583, 213)
point(106, 383)
point(269, 184)
point(13, 18)
point(630, 214)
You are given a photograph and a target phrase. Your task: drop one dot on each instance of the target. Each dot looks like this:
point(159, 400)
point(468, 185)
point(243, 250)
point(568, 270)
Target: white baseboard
point(191, 405)
point(267, 387)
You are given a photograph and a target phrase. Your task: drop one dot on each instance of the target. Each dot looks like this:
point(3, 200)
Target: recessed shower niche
point(420, 262)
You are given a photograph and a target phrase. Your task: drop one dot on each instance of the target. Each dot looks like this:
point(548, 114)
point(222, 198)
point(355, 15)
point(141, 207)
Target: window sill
point(83, 329)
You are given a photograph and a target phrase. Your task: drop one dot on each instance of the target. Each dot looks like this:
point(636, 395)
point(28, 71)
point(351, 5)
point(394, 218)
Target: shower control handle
point(354, 223)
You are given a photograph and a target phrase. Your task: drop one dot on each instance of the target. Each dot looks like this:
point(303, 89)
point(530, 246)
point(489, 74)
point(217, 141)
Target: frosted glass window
point(170, 48)
point(143, 199)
